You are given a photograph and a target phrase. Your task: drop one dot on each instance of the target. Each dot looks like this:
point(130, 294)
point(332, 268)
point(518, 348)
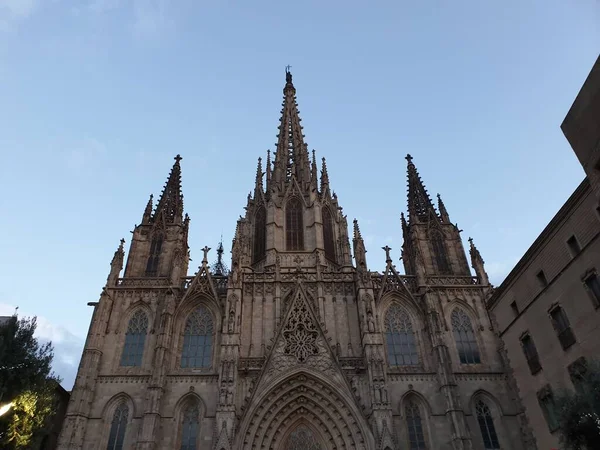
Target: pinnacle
point(324, 176)
point(170, 204)
point(357, 234)
point(419, 203)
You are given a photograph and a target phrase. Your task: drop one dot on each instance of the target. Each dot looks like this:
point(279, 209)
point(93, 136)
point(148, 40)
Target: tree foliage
point(27, 382)
point(578, 412)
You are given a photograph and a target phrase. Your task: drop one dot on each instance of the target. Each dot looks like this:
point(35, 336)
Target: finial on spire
point(177, 158)
point(206, 249)
point(409, 158)
point(288, 76)
point(388, 258)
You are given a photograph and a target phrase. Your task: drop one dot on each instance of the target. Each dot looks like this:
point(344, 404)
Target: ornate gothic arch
point(304, 396)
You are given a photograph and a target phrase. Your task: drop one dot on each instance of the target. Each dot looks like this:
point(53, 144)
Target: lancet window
point(439, 252)
point(328, 239)
point(464, 336)
point(190, 426)
point(135, 337)
point(486, 426)
point(118, 427)
point(416, 437)
point(154, 256)
point(198, 339)
point(400, 337)
point(260, 234)
point(294, 229)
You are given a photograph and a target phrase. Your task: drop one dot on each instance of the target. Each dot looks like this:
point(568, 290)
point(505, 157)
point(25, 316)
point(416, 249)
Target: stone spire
point(478, 264)
point(258, 187)
point(420, 207)
point(324, 177)
point(291, 157)
point(268, 169)
point(444, 217)
point(359, 248)
point(148, 211)
point(170, 205)
point(314, 174)
point(116, 265)
point(219, 268)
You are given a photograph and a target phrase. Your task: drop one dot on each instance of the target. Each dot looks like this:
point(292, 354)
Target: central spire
point(420, 207)
point(291, 157)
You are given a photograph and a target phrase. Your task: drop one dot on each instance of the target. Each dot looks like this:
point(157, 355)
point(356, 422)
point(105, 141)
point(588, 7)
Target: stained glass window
point(486, 426)
point(302, 438)
point(294, 228)
point(198, 339)
point(118, 427)
point(400, 338)
point(154, 257)
point(466, 343)
point(190, 426)
point(328, 240)
point(260, 234)
point(135, 337)
point(416, 438)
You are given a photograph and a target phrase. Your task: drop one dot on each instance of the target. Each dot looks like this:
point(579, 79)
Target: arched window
point(154, 256)
point(197, 339)
point(190, 426)
point(400, 338)
point(466, 343)
point(118, 427)
point(328, 239)
point(294, 229)
point(486, 426)
point(135, 337)
point(260, 234)
point(416, 437)
point(439, 252)
point(302, 438)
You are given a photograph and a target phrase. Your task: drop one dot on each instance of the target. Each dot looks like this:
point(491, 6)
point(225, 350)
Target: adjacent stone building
point(546, 310)
point(297, 346)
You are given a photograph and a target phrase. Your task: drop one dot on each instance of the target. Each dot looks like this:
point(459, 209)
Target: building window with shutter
point(546, 401)
point(260, 234)
point(531, 354)
point(328, 239)
point(294, 229)
point(562, 327)
point(592, 283)
point(154, 256)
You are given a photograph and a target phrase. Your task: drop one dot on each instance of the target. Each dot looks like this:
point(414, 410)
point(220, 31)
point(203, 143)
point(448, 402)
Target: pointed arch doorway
point(302, 436)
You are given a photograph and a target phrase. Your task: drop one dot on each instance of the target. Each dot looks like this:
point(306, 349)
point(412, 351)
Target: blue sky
point(98, 96)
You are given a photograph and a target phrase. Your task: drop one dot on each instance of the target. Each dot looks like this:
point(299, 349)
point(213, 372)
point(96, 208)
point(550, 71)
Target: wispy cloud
point(14, 11)
point(67, 346)
point(151, 17)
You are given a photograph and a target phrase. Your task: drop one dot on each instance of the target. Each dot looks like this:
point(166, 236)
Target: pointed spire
point(170, 204)
point(291, 156)
point(324, 176)
point(358, 244)
point(219, 268)
point(258, 187)
point(268, 170)
point(442, 209)
point(314, 174)
point(116, 265)
point(419, 204)
point(478, 264)
point(148, 211)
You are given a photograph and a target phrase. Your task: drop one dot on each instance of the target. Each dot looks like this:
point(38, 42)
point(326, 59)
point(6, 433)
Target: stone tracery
point(300, 331)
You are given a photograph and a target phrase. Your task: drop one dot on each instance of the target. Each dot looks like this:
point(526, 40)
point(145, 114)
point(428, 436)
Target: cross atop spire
point(419, 204)
point(170, 204)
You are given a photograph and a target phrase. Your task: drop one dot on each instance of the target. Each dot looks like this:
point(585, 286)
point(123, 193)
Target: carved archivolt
point(304, 398)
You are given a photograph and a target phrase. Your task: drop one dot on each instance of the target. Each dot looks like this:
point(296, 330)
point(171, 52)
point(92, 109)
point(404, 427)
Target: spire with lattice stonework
point(420, 207)
point(170, 204)
point(219, 268)
point(291, 156)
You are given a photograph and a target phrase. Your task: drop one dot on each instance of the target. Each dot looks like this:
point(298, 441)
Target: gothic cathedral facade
point(297, 346)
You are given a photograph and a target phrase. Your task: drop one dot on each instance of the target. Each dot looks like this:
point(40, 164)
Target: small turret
point(116, 265)
point(478, 264)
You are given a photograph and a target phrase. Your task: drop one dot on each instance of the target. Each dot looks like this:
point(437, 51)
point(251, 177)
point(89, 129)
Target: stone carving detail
point(302, 438)
point(300, 332)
